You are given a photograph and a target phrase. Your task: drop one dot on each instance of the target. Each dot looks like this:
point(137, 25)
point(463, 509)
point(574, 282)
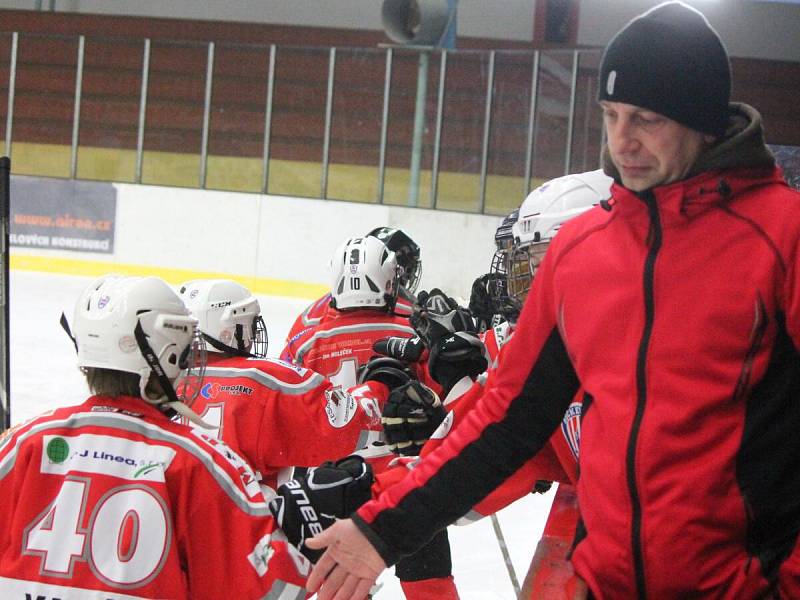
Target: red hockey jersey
point(343, 342)
point(112, 500)
point(317, 313)
point(304, 325)
point(279, 415)
point(556, 461)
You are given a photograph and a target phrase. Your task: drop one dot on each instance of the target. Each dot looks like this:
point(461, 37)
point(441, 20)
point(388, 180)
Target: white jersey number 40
point(125, 542)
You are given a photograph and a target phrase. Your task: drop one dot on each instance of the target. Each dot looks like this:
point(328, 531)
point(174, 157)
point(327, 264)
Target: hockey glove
point(482, 303)
point(307, 505)
point(388, 371)
point(459, 355)
point(436, 315)
point(411, 414)
point(405, 349)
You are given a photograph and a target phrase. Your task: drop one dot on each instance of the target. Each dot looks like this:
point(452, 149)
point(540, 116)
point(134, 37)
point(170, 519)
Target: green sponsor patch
point(57, 450)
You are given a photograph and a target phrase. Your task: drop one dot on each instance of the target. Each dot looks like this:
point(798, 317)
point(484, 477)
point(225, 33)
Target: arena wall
point(274, 244)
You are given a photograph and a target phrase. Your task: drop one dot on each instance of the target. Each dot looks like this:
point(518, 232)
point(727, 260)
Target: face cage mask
point(411, 274)
point(521, 265)
point(502, 304)
point(258, 341)
point(260, 338)
point(193, 362)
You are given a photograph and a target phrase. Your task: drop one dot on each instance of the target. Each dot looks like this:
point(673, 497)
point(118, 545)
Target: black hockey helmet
point(407, 252)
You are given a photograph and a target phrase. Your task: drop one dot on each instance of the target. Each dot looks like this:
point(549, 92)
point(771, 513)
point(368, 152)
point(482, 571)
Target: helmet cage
point(236, 335)
point(521, 265)
point(229, 316)
point(406, 252)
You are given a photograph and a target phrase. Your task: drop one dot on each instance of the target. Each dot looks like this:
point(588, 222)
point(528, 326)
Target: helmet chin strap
point(169, 402)
point(224, 348)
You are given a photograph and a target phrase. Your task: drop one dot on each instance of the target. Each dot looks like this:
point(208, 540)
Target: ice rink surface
point(44, 375)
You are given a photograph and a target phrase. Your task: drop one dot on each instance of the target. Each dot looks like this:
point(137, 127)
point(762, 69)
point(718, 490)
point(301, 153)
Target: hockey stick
point(501, 541)
point(5, 202)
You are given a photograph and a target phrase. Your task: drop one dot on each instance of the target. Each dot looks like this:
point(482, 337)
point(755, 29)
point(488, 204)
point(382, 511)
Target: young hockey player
point(457, 357)
point(112, 499)
point(407, 254)
point(364, 289)
point(453, 361)
point(278, 415)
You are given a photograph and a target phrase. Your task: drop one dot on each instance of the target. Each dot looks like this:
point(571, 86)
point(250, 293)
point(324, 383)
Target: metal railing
point(334, 123)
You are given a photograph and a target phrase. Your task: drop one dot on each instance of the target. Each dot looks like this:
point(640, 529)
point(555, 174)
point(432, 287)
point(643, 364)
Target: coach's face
point(647, 148)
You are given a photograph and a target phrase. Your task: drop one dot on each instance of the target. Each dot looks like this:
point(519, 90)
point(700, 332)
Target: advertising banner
point(63, 214)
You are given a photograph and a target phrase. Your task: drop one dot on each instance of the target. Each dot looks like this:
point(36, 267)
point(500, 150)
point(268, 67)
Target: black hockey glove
point(411, 414)
point(389, 371)
point(482, 300)
point(459, 355)
point(311, 503)
point(436, 315)
point(405, 349)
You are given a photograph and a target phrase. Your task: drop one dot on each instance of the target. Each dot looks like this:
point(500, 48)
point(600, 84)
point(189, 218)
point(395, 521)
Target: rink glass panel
point(110, 98)
point(174, 115)
point(44, 105)
point(355, 135)
point(327, 126)
point(237, 117)
point(298, 122)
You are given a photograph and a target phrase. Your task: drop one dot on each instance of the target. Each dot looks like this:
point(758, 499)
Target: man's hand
point(349, 567)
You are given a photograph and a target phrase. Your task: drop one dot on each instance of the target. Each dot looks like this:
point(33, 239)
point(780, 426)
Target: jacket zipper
point(654, 238)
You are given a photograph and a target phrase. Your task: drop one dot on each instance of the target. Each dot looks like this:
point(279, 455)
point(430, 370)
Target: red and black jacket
point(678, 311)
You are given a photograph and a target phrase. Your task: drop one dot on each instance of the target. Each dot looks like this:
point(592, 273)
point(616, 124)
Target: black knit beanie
point(670, 60)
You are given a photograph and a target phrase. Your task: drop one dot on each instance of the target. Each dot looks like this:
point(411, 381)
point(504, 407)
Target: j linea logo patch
point(105, 455)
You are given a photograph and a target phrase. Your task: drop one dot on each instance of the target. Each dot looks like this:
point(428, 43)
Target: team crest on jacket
point(571, 427)
point(340, 407)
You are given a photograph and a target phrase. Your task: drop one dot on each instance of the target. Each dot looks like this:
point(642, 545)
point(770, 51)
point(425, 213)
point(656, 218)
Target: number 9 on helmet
point(364, 274)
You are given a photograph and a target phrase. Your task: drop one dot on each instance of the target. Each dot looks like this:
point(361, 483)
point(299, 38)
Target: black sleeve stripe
point(481, 466)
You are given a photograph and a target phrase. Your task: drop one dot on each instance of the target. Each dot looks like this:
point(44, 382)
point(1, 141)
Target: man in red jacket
point(676, 305)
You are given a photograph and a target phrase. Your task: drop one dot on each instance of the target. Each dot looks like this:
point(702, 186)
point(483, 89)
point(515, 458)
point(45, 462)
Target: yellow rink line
point(90, 268)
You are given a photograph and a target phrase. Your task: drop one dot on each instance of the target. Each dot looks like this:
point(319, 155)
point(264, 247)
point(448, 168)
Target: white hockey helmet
point(541, 215)
point(229, 316)
point(364, 274)
point(136, 325)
